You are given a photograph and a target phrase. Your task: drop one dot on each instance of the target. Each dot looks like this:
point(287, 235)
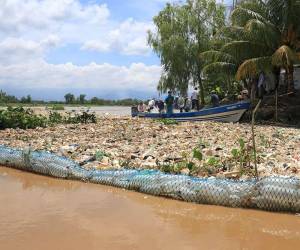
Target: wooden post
point(253, 137)
point(276, 105)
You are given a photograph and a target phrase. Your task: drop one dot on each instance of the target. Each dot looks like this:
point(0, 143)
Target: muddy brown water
point(38, 212)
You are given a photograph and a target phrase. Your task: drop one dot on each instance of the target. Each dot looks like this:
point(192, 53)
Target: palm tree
point(264, 35)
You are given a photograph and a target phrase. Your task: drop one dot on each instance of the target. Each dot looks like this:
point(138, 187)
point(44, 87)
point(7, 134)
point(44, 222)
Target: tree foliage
point(5, 98)
point(182, 32)
point(70, 98)
point(196, 47)
point(263, 36)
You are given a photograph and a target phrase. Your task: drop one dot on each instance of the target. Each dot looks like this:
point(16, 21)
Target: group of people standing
point(183, 103)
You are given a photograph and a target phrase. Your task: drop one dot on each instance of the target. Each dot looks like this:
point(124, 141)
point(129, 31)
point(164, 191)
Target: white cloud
point(129, 38)
point(101, 77)
point(94, 45)
point(19, 16)
point(15, 50)
point(19, 50)
point(51, 41)
point(73, 22)
point(31, 28)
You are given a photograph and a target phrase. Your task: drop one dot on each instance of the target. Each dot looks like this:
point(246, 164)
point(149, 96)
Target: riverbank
point(200, 149)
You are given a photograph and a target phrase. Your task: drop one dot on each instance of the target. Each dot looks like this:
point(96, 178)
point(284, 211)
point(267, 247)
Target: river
point(100, 110)
point(39, 212)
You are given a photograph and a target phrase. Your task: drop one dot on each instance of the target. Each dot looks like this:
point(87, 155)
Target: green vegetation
point(55, 117)
point(25, 118)
point(183, 32)
point(21, 118)
point(100, 154)
point(167, 121)
point(202, 162)
point(5, 98)
point(197, 46)
point(58, 107)
point(70, 99)
point(26, 99)
point(71, 118)
point(263, 37)
point(85, 117)
point(243, 156)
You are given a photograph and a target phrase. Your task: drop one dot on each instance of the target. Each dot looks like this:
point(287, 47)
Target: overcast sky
point(97, 47)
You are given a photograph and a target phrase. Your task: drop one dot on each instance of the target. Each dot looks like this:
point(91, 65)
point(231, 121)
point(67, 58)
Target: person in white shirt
point(151, 105)
point(141, 107)
point(195, 99)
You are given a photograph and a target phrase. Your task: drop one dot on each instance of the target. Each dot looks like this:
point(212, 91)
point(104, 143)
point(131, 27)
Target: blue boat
point(226, 113)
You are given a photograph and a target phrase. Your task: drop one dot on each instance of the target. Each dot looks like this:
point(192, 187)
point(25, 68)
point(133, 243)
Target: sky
point(97, 47)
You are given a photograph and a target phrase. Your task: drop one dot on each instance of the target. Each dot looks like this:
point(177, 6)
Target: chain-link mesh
point(270, 193)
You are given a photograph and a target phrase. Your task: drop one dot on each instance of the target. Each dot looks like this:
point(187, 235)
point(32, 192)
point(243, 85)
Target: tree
point(264, 36)
point(5, 98)
point(94, 100)
point(183, 31)
point(82, 98)
point(170, 43)
point(26, 99)
point(70, 98)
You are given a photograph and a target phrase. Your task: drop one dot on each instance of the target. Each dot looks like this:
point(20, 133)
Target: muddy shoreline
point(116, 142)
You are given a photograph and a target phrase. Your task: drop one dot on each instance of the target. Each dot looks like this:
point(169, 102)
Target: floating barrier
point(270, 193)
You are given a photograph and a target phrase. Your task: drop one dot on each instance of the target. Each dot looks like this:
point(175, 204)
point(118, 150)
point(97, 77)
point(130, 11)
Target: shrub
point(21, 118)
point(25, 118)
point(58, 107)
point(85, 117)
point(55, 117)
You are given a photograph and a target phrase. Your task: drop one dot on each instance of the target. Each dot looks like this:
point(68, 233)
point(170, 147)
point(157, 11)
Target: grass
point(168, 121)
point(58, 107)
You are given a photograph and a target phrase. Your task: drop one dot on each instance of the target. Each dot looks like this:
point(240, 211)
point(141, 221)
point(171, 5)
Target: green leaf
point(235, 153)
point(242, 143)
point(99, 155)
point(197, 154)
point(220, 67)
point(212, 161)
point(190, 166)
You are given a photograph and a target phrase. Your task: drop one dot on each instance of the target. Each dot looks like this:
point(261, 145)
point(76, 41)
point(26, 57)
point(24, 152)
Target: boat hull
point(227, 113)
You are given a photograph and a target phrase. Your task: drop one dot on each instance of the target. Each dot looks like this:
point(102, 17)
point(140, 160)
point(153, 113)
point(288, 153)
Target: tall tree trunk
point(290, 79)
point(201, 88)
point(201, 92)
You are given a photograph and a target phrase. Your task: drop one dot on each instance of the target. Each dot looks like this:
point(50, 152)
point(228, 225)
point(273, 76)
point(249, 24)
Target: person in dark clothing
point(169, 102)
point(160, 105)
point(215, 100)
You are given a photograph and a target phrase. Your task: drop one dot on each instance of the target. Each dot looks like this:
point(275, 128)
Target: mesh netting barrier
point(274, 193)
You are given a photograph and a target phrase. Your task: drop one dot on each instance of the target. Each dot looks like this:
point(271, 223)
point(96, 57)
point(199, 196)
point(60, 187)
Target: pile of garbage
point(270, 193)
point(199, 149)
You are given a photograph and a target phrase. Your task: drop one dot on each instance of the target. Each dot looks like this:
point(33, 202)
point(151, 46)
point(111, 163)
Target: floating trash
point(270, 193)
